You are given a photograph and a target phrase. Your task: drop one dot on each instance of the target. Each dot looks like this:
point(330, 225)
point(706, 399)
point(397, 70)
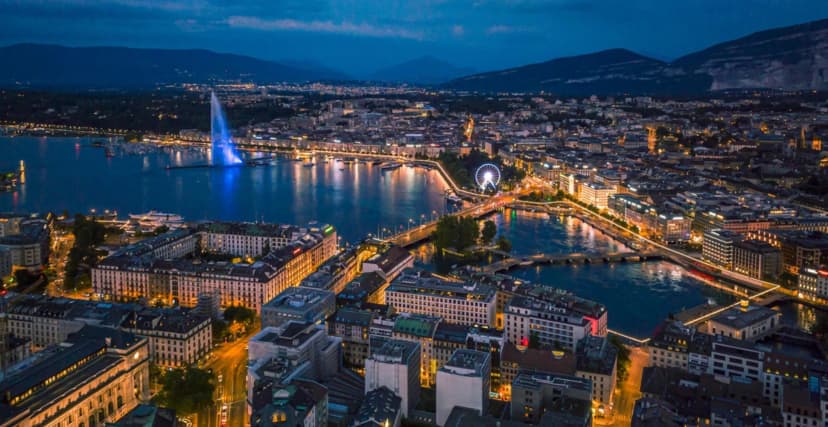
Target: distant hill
point(789, 58)
point(424, 70)
point(52, 66)
point(794, 57)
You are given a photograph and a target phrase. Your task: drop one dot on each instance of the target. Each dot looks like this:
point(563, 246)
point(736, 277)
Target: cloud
point(505, 29)
point(458, 30)
point(344, 27)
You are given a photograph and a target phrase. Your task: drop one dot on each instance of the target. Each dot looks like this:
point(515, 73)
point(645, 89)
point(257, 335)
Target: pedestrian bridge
point(512, 261)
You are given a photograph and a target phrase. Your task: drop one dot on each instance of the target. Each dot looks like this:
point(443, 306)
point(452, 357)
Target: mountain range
point(788, 58)
point(426, 70)
point(52, 66)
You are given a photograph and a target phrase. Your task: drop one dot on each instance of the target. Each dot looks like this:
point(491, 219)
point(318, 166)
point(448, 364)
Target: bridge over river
point(512, 261)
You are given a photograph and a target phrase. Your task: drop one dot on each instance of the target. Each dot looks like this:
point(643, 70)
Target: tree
point(623, 357)
point(88, 234)
point(456, 232)
point(534, 340)
point(186, 390)
point(489, 231)
point(220, 330)
point(504, 244)
point(239, 319)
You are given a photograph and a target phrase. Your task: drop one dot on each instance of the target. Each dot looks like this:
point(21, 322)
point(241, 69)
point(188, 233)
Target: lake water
point(70, 174)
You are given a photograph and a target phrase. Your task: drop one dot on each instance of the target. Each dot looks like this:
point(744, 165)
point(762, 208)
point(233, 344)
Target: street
point(229, 364)
point(629, 391)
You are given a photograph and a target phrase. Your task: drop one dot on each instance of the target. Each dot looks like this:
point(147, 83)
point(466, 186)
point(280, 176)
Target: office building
point(395, 365)
point(717, 247)
point(594, 194)
point(463, 382)
point(466, 303)
point(757, 259)
point(299, 304)
point(299, 343)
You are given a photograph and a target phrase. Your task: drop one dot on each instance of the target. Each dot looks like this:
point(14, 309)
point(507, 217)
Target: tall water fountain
point(222, 150)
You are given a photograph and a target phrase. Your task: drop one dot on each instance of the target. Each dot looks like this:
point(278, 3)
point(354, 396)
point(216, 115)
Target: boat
point(390, 166)
point(308, 165)
point(109, 151)
point(377, 162)
point(154, 219)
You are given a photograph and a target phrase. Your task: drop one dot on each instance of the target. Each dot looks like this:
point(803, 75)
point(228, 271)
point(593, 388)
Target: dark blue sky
point(359, 36)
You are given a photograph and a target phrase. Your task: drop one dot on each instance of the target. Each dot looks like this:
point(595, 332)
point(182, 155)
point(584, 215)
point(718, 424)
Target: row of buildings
point(179, 266)
point(740, 367)
point(467, 338)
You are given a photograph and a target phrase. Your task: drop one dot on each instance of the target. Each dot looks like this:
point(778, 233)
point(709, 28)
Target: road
point(229, 363)
point(628, 392)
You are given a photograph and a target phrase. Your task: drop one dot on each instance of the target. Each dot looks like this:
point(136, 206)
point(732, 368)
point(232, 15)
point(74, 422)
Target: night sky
point(359, 36)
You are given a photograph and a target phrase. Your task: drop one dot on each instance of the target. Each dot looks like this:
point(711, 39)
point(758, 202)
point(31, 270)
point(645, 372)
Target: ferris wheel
point(487, 176)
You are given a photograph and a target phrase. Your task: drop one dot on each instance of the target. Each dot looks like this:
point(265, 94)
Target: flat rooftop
point(465, 362)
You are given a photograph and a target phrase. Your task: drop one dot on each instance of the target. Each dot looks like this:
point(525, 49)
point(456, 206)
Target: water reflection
point(356, 200)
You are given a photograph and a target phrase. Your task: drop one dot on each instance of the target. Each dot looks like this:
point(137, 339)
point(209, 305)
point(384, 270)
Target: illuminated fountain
point(222, 150)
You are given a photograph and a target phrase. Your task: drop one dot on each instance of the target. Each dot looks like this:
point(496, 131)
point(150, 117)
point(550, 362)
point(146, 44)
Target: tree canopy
point(489, 232)
point(186, 390)
point(456, 232)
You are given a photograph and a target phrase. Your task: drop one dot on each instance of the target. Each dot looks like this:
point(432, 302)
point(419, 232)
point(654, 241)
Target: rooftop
point(380, 408)
point(391, 350)
point(466, 362)
point(416, 281)
point(743, 317)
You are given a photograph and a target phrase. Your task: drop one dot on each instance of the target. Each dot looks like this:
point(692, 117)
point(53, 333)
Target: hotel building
point(157, 270)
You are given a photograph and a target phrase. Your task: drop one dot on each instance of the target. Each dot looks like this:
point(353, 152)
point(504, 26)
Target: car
point(223, 419)
point(220, 377)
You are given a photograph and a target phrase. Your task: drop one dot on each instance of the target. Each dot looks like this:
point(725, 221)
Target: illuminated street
point(229, 362)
